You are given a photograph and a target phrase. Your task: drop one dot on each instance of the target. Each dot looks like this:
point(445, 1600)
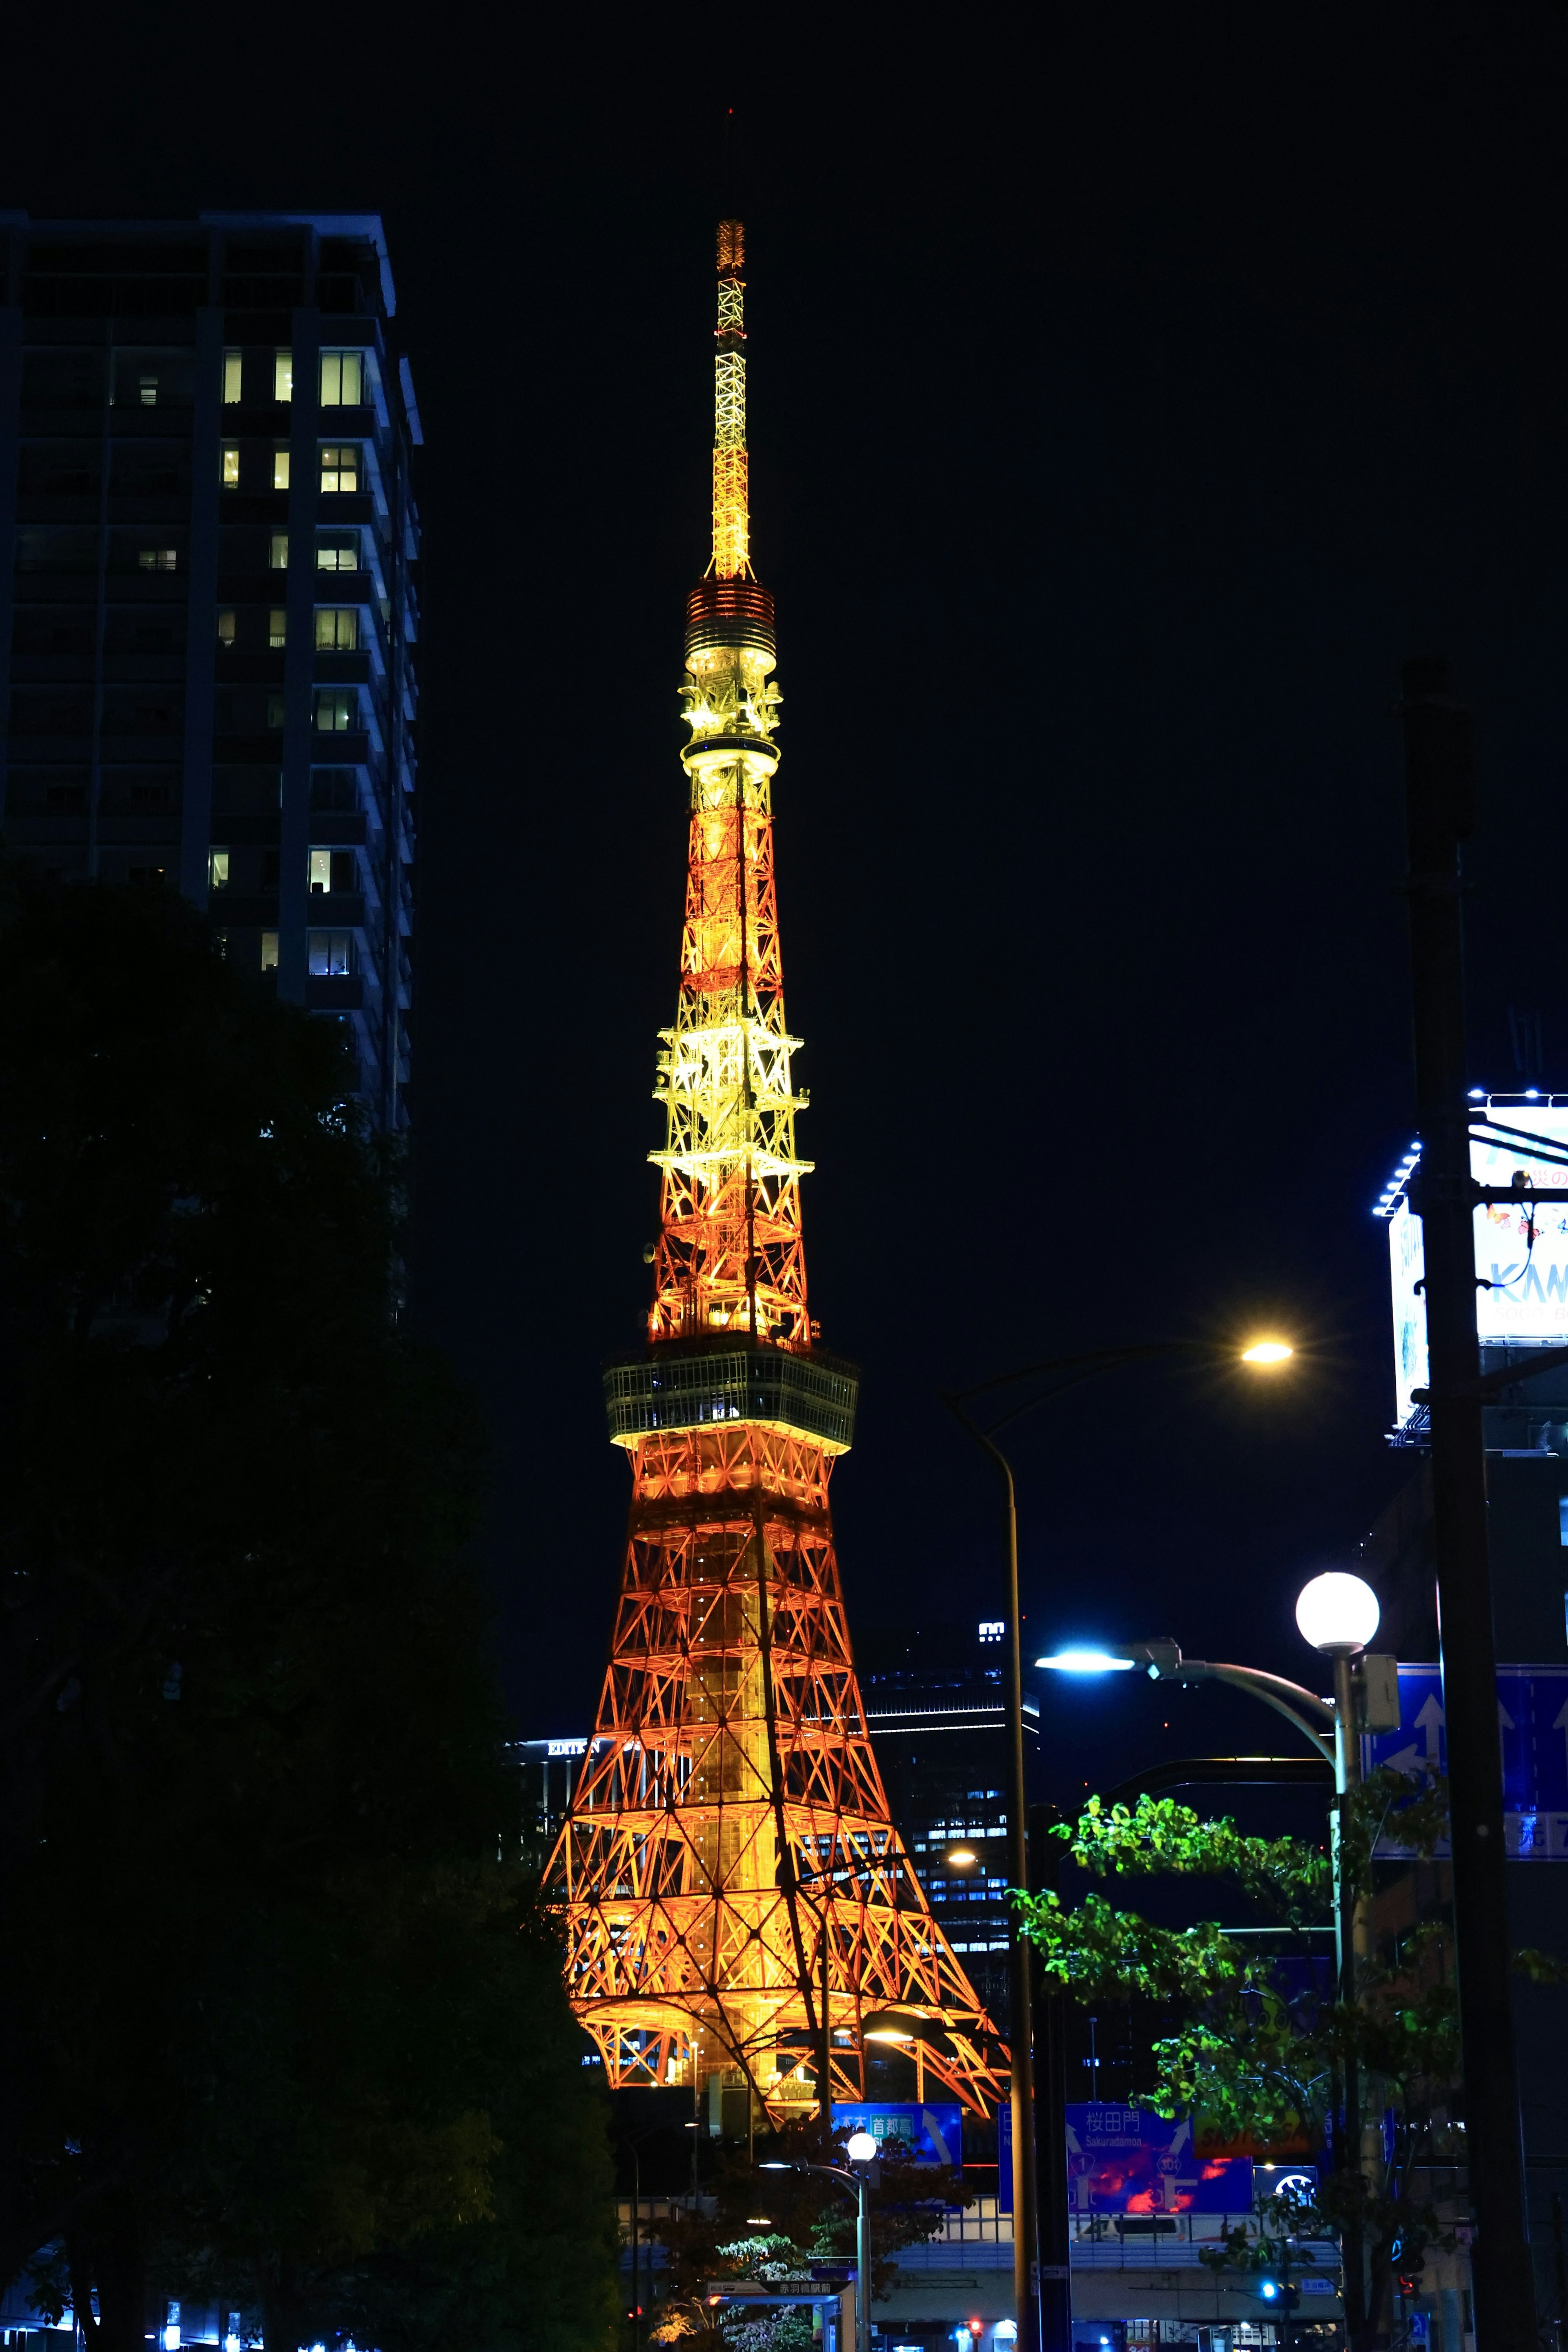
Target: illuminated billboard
point(1521, 1246)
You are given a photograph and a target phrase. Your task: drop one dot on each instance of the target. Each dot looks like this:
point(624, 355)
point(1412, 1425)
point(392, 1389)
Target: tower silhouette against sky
point(729, 1847)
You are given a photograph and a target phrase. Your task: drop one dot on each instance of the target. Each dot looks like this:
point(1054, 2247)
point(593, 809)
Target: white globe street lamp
point(1337, 1613)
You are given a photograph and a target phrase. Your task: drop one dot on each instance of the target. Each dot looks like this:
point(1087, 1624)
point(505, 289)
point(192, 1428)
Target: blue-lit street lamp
point(1043, 2300)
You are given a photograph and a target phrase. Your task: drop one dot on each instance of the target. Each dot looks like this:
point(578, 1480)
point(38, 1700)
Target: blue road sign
point(934, 2132)
point(1532, 1725)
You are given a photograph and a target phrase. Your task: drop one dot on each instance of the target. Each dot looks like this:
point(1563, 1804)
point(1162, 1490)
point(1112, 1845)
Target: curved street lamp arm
point(1286, 1699)
point(1092, 1359)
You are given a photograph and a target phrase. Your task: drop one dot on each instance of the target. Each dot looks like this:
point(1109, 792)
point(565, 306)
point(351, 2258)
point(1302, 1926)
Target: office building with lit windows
point(935, 1710)
point(207, 609)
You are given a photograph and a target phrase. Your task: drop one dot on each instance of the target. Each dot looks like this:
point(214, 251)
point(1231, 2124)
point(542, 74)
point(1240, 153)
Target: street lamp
point(1041, 2286)
point(1338, 1614)
point(861, 2151)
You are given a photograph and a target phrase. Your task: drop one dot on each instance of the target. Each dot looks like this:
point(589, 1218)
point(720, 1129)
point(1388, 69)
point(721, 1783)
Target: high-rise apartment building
point(206, 532)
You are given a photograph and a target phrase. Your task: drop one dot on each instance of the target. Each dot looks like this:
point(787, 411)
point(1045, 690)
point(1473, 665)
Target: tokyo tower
point(741, 1916)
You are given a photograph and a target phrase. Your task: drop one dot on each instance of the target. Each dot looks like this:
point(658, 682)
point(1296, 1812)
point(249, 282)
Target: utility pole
point(1046, 1854)
point(1440, 814)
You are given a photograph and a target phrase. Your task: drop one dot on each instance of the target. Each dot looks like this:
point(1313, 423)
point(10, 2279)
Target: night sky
point(1131, 392)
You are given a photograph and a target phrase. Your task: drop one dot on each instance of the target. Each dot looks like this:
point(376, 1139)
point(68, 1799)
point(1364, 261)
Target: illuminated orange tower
point(734, 1889)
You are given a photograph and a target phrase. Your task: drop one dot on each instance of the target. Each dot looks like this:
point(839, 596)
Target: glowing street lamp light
point(1338, 1613)
point(1089, 1661)
point(1267, 1353)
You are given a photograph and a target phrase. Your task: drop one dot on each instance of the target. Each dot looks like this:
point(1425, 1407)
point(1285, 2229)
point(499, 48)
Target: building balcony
point(344, 995)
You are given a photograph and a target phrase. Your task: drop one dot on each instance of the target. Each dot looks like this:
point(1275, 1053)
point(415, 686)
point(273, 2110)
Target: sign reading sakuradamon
point(1525, 1267)
point(934, 2132)
point(1532, 1726)
point(1129, 2160)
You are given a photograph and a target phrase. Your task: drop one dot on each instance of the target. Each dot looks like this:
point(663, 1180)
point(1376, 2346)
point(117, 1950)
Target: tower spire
point(740, 1908)
point(732, 558)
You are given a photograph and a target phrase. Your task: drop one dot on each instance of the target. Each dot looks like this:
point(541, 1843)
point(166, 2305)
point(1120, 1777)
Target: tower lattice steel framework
point(729, 1842)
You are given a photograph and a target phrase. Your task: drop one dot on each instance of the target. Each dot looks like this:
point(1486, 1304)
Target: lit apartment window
point(342, 379)
point(226, 627)
point(336, 711)
point(340, 467)
point(337, 628)
point(280, 469)
point(283, 376)
point(269, 950)
point(217, 869)
point(275, 710)
point(147, 385)
point(232, 370)
point(277, 628)
point(339, 553)
point(280, 556)
point(231, 465)
point(330, 954)
point(157, 559)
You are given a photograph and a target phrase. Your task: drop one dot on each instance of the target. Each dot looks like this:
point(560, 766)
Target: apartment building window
point(275, 710)
point(217, 869)
point(333, 869)
point(277, 628)
point(339, 553)
point(226, 629)
point(280, 556)
point(157, 559)
point(334, 788)
point(337, 629)
point(330, 955)
point(337, 710)
point(280, 469)
point(233, 370)
point(339, 467)
point(269, 950)
point(342, 379)
point(283, 376)
point(231, 465)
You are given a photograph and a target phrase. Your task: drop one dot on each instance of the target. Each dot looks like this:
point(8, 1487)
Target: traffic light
point(1280, 2294)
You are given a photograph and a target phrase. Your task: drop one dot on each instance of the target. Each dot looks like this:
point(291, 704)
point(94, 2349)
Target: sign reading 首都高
point(933, 2133)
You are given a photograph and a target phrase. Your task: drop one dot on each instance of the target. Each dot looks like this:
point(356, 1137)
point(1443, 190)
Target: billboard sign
point(1127, 2160)
point(934, 2130)
point(1521, 1246)
point(1532, 1725)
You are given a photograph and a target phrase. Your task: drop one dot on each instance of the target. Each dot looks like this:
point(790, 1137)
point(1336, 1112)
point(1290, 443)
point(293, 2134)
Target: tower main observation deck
point(735, 1892)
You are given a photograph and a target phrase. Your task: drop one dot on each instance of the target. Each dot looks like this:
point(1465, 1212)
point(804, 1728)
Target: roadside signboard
point(1532, 1725)
point(934, 2131)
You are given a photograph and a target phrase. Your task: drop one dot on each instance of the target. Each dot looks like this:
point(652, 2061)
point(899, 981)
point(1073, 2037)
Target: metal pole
point(1025, 2231)
point(1440, 815)
point(1045, 1853)
point(862, 2265)
point(1025, 2209)
point(1348, 1924)
point(637, 2214)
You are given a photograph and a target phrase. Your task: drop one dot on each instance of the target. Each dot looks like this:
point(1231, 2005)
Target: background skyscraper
point(206, 531)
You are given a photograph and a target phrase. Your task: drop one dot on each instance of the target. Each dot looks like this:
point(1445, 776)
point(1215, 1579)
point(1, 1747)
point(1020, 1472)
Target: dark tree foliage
point(269, 2031)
